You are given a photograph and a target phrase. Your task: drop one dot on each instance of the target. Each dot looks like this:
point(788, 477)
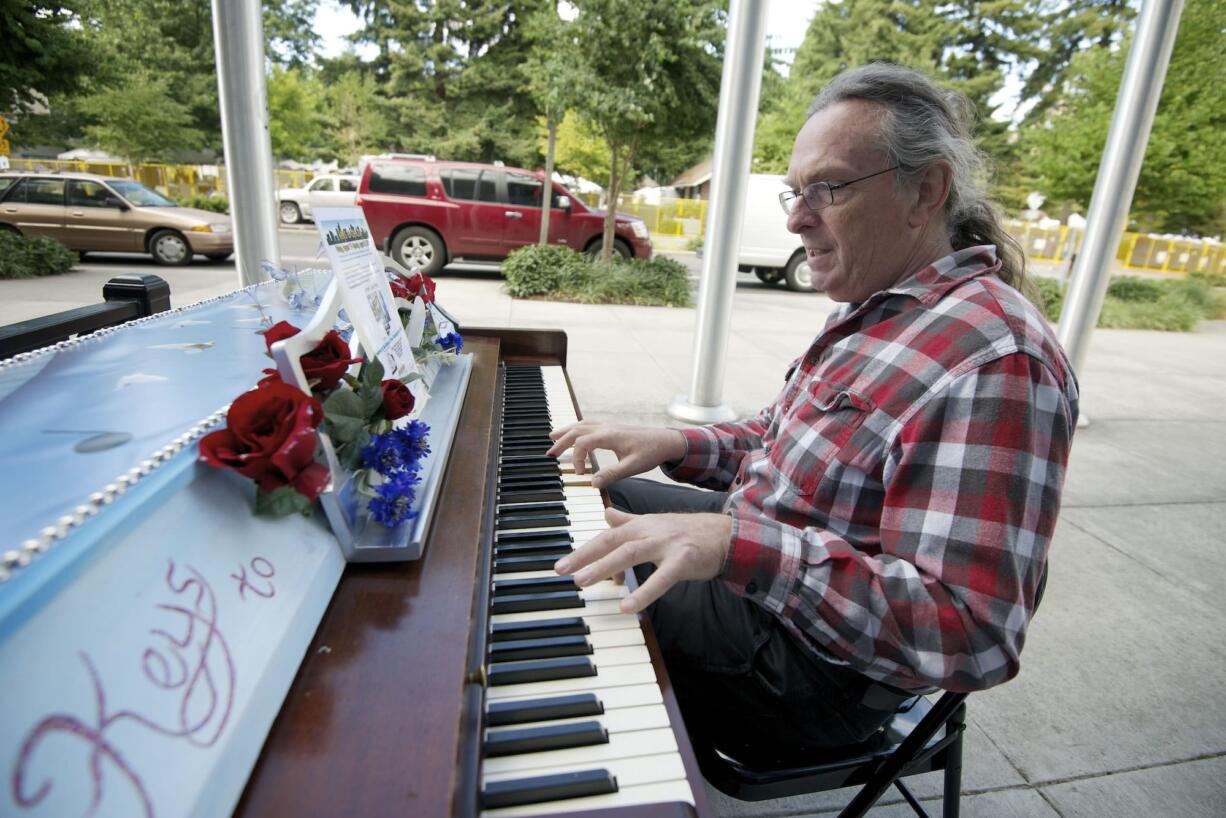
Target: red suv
point(426, 213)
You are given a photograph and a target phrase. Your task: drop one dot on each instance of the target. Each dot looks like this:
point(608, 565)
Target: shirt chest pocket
point(816, 434)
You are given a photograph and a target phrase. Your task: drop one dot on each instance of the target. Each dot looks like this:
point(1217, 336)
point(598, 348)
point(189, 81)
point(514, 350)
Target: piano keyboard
point(575, 718)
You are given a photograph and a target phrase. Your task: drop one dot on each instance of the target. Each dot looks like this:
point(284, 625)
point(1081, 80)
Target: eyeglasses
point(818, 195)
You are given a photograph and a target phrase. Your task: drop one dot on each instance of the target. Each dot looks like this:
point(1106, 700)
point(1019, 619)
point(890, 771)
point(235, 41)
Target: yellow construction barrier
point(1138, 251)
point(175, 181)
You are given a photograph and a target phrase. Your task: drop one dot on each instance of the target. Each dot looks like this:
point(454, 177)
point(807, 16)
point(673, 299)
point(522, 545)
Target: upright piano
point(472, 681)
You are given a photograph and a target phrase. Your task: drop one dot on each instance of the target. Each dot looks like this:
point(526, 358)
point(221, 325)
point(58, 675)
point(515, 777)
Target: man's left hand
point(682, 546)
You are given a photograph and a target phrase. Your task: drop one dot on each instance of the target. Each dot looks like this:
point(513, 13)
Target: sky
point(786, 23)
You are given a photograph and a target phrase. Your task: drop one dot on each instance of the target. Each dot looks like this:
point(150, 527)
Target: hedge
point(22, 257)
point(562, 274)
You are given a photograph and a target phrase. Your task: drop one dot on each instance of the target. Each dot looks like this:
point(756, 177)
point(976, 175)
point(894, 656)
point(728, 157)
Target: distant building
point(694, 183)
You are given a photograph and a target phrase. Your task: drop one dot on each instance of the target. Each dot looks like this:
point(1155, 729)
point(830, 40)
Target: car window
point(16, 191)
point(85, 193)
point(139, 195)
point(5, 183)
point(487, 186)
point(522, 190)
point(45, 191)
point(347, 184)
point(459, 183)
point(321, 184)
point(397, 178)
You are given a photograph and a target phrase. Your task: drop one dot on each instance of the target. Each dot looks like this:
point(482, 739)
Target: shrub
point(22, 257)
point(1209, 279)
point(1051, 296)
point(539, 269)
point(1134, 288)
point(214, 204)
point(569, 276)
point(1169, 314)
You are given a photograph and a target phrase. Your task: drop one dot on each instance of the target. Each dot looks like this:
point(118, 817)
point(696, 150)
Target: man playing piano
point(883, 525)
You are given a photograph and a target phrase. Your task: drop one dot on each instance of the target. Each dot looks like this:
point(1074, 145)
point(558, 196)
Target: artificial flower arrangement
point(272, 431)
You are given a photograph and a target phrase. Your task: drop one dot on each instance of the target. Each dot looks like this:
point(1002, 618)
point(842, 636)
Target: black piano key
point(534, 585)
point(520, 461)
point(535, 562)
point(539, 789)
point(546, 737)
point(531, 477)
point(536, 520)
point(530, 496)
point(522, 548)
point(523, 711)
point(504, 538)
point(524, 508)
point(534, 432)
point(525, 450)
point(550, 601)
point(540, 670)
point(549, 647)
point(540, 628)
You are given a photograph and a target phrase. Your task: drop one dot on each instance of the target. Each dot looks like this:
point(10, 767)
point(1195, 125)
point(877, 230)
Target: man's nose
point(802, 215)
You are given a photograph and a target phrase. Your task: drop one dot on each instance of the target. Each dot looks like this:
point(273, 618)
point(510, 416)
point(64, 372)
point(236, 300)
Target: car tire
point(168, 247)
point(797, 274)
point(768, 275)
point(419, 247)
point(620, 247)
point(218, 256)
point(289, 213)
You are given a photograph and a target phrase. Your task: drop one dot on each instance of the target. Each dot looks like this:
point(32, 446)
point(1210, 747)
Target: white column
point(238, 38)
point(1140, 89)
point(734, 128)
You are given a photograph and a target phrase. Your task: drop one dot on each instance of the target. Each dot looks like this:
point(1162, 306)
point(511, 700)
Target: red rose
point(410, 287)
point(325, 364)
point(397, 399)
point(270, 437)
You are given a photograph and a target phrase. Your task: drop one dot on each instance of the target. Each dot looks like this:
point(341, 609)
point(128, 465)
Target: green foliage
point(22, 257)
point(580, 149)
point(1209, 279)
point(289, 31)
point(213, 204)
point(282, 502)
point(358, 117)
point(140, 119)
point(1142, 303)
point(540, 269)
point(1182, 186)
point(46, 52)
point(297, 124)
point(1052, 296)
point(562, 274)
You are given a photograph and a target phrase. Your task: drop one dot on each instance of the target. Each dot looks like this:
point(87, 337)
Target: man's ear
point(931, 192)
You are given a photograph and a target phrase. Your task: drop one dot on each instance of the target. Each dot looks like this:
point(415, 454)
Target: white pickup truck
point(330, 190)
point(767, 248)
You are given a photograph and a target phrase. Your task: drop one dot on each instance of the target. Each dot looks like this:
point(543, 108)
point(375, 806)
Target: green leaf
point(372, 373)
point(344, 403)
point(282, 502)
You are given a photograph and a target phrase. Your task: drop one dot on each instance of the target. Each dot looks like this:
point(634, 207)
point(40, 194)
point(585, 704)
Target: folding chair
point(923, 736)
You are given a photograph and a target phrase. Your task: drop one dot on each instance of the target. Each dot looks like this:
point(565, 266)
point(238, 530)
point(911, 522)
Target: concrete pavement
point(1119, 708)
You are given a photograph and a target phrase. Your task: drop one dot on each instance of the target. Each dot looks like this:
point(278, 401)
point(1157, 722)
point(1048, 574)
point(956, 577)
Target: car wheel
point(797, 274)
point(218, 256)
point(421, 248)
point(170, 248)
point(768, 275)
point(290, 214)
point(619, 247)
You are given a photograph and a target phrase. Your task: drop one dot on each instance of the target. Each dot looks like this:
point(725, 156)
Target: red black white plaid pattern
point(895, 503)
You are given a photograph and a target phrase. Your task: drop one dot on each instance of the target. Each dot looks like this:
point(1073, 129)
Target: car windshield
point(139, 195)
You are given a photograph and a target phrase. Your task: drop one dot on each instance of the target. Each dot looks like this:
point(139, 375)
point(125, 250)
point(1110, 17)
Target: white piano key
point(621, 745)
point(614, 698)
point(621, 720)
point(588, 612)
point(616, 676)
point(630, 772)
point(666, 792)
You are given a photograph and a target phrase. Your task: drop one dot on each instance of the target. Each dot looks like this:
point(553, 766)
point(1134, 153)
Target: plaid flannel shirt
point(895, 503)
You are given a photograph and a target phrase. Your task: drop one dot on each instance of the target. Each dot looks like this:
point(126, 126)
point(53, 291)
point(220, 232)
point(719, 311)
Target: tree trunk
point(610, 217)
point(547, 193)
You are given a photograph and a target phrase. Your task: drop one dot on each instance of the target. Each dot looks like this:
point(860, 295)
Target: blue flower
point(385, 454)
point(394, 501)
point(412, 440)
point(451, 341)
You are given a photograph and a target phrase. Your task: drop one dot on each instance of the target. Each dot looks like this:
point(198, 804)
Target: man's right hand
point(638, 449)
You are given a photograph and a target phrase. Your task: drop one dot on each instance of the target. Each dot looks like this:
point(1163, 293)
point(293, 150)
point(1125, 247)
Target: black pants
point(742, 680)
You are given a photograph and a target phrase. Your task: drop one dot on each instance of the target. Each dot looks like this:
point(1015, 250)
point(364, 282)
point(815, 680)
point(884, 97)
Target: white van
point(767, 248)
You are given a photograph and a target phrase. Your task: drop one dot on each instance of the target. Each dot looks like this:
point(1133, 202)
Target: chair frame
point(923, 737)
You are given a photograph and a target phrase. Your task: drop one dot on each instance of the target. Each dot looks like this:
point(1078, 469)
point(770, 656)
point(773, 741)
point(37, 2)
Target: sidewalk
point(1120, 708)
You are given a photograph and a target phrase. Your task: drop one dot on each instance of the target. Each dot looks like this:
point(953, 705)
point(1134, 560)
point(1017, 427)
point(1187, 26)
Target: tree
point(645, 71)
point(358, 115)
point(140, 120)
point(46, 52)
point(1182, 186)
point(548, 83)
point(581, 150)
point(296, 123)
point(290, 38)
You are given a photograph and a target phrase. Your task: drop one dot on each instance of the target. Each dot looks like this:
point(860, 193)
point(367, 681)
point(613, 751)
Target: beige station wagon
point(85, 212)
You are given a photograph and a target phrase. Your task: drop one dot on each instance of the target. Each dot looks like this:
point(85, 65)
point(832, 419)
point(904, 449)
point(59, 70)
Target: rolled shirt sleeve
point(714, 453)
